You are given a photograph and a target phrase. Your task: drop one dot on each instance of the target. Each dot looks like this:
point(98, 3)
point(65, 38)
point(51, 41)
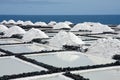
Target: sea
point(104, 19)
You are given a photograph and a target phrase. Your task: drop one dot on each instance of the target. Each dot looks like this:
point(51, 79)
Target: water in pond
point(103, 75)
point(64, 59)
point(21, 48)
point(11, 66)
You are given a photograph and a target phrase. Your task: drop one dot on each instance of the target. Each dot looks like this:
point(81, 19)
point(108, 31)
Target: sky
point(59, 7)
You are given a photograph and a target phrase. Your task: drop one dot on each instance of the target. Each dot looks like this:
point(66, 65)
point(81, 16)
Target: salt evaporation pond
point(113, 74)
point(63, 59)
point(10, 40)
point(22, 48)
point(10, 65)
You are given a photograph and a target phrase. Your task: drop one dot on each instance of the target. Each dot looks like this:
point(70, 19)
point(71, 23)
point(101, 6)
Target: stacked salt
point(14, 30)
point(105, 48)
point(4, 22)
point(93, 27)
point(19, 22)
point(28, 23)
point(68, 22)
point(3, 28)
point(81, 26)
point(11, 22)
point(61, 25)
point(64, 38)
point(32, 34)
point(52, 23)
point(43, 24)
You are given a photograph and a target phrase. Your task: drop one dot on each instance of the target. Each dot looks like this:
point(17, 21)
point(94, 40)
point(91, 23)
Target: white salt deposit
point(28, 23)
point(64, 38)
point(19, 22)
point(81, 26)
point(14, 30)
point(4, 22)
point(52, 23)
point(61, 25)
point(93, 27)
point(43, 24)
point(105, 48)
point(3, 28)
point(32, 34)
point(68, 22)
point(11, 22)
point(67, 56)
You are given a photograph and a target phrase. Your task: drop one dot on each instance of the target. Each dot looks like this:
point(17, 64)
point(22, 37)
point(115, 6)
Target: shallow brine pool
point(11, 65)
point(113, 74)
point(65, 59)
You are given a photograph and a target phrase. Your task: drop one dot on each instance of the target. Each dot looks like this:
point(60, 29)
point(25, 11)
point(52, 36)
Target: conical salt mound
point(19, 22)
point(32, 34)
point(43, 24)
point(52, 23)
point(4, 22)
point(93, 27)
point(61, 25)
point(28, 23)
point(14, 30)
point(81, 26)
point(73, 39)
point(105, 48)
point(64, 38)
point(59, 39)
point(3, 28)
point(11, 22)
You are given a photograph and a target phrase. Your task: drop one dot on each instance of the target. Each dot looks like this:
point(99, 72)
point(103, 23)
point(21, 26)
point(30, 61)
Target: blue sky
point(60, 7)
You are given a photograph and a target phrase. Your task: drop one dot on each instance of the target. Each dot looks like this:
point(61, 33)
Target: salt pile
point(3, 28)
point(11, 22)
point(43, 24)
point(52, 23)
point(28, 23)
point(19, 22)
point(4, 22)
point(61, 25)
point(68, 22)
point(105, 48)
point(32, 34)
point(14, 30)
point(81, 26)
point(93, 27)
point(64, 38)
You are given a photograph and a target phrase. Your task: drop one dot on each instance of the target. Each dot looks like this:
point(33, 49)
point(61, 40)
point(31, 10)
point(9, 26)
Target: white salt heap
point(32, 34)
point(93, 27)
point(68, 22)
point(64, 38)
point(3, 28)
point(14, 30)
point(4, 22)
point(61, 25)
point(20, 22)
point(28, 23)
point(11, 22)
point(52, 23)
point(81, 26)
point(43, 24)
point(105, 48)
